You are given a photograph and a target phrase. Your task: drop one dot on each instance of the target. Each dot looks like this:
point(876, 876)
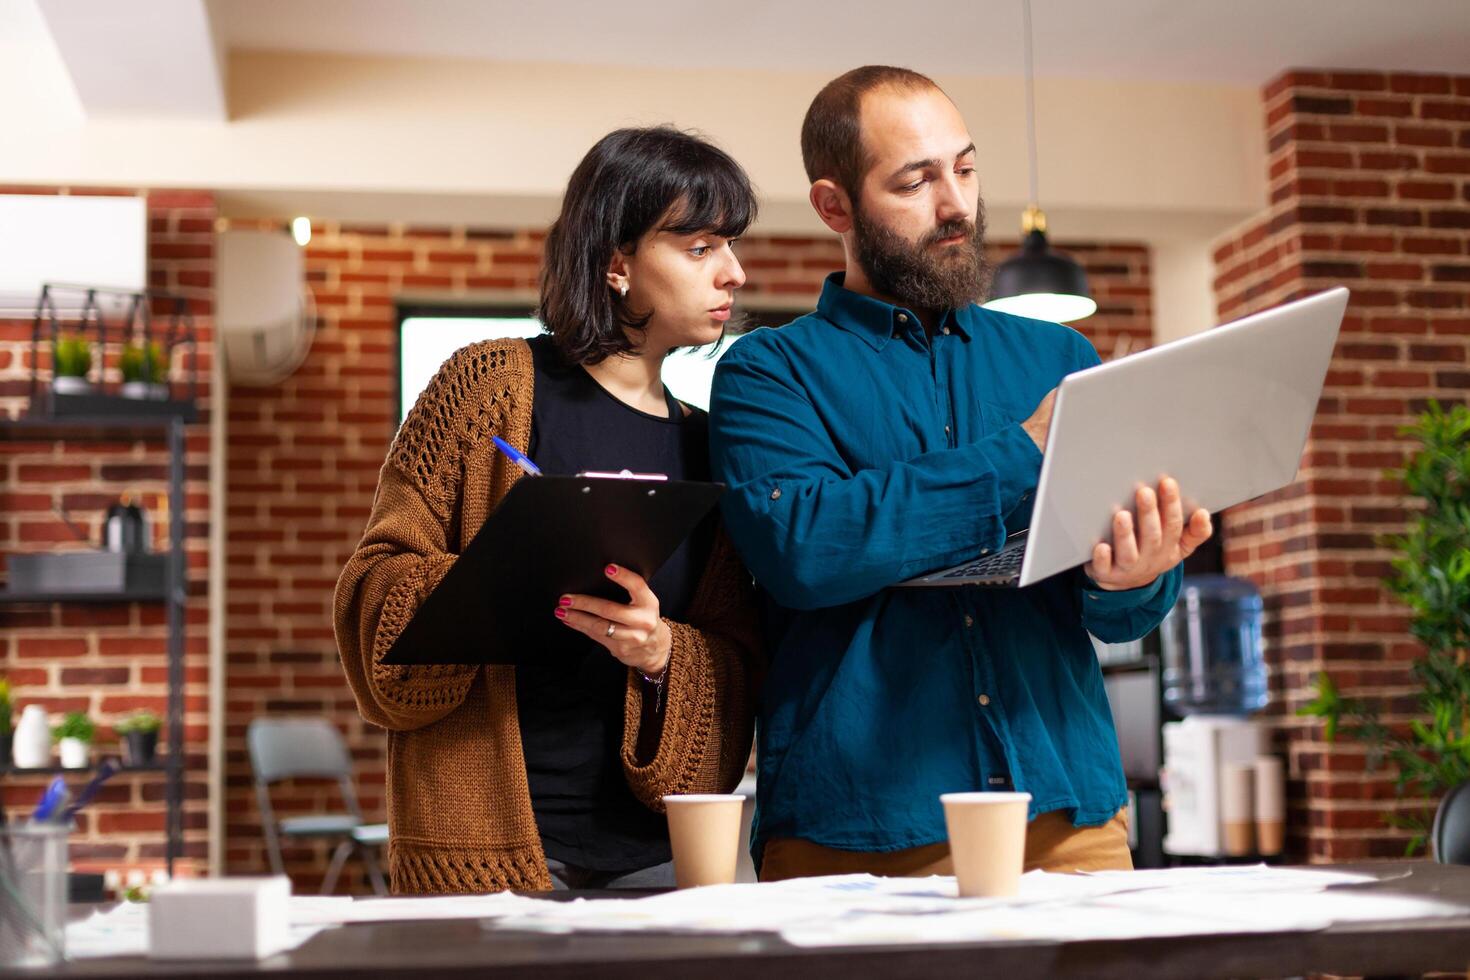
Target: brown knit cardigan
point(459, 810)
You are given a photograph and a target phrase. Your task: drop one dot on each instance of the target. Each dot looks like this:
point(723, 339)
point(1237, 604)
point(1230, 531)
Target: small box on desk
point(220, 919)
point(88, 572)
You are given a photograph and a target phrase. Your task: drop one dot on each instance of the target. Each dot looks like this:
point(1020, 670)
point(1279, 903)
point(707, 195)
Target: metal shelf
point(58, 770)
point(168, 429)
point(7, 597)
point(87, 428)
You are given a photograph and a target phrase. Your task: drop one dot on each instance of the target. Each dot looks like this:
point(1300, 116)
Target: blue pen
point(53, 801)
point(516, 456)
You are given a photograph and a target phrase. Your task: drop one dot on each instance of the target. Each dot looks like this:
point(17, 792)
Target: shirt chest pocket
point(995, 416)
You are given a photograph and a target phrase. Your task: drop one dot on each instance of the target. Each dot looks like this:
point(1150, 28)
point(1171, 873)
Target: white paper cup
point(987, 841)
point(1237, 808)
point(704, 833)
point(1270, 804)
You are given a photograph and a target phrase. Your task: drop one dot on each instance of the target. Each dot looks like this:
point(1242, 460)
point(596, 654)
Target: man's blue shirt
point(859, 453)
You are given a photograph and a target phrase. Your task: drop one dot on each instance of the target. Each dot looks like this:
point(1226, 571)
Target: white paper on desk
point(1221, 905)
point(780, 906)
point(1287, 910)
point(862, 909)
point(333, 910)
point(1253, 878)
point(123, 931)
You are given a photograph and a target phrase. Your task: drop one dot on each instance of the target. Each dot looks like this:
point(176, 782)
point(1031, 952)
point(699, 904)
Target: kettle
point(125, 528)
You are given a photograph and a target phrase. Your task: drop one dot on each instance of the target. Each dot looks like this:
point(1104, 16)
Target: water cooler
point(1222, 792)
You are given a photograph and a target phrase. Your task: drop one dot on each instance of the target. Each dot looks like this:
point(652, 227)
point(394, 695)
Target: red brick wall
point(109, 660)
point(1370, 188)
point(304, 458)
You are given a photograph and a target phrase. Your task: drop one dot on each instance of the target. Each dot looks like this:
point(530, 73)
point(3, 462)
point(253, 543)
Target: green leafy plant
point(144, 363)
point(1431, 575)
point(7, 708)
point(76, 725)
point(139, 721)
point(71, 356)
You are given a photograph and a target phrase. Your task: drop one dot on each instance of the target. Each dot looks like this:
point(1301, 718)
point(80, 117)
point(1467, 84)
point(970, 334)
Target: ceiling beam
point(141, 59)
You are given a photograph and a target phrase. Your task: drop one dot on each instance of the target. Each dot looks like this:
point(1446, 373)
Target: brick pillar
point(1370, 188)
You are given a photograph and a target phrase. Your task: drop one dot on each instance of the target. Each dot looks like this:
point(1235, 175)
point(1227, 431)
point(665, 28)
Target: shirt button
point(969, 621)
point(984, 551)
point(776, 494)
point(984, 700)
point(946, 331)
point(946, 430)
point(903, 318)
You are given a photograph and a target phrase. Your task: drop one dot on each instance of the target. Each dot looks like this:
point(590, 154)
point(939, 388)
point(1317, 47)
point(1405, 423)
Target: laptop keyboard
point(1005, 563)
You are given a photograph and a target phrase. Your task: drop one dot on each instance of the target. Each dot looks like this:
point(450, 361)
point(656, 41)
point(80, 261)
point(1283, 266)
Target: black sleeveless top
point(570, 696)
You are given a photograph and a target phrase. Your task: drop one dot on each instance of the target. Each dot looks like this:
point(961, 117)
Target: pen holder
point(33, 895)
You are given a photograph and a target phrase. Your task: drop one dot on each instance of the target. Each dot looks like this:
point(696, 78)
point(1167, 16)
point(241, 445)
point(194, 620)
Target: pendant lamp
point(1038, 282)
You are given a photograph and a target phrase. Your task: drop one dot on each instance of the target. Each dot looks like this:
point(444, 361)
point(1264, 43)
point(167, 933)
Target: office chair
point(290, 748)
point(1449, 840)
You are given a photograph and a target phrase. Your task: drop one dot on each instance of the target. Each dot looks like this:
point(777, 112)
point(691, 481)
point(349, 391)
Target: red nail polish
point(612, 569)
point(564, 601)
point(561, 614)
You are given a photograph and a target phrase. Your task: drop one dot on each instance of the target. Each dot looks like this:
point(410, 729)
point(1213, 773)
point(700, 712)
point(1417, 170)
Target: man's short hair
point(831, 134)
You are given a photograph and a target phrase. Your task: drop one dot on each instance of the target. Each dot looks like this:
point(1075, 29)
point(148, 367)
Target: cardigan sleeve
point(715, 667)
point(404, 554)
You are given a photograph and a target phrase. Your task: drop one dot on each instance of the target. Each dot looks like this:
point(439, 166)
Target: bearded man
point(897, 430)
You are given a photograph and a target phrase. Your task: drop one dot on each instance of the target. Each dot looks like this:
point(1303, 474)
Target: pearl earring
point(623, 290)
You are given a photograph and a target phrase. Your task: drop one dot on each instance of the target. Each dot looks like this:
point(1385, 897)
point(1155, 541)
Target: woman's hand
point(632, 632)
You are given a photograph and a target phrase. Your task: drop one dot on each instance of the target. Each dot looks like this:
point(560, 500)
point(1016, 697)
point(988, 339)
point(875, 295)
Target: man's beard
point(917, 275)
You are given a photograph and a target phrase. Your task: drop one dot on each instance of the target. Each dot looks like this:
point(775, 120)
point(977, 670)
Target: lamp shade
point(1041, 284)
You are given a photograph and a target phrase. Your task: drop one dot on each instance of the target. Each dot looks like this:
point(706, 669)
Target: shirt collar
point(872, 319)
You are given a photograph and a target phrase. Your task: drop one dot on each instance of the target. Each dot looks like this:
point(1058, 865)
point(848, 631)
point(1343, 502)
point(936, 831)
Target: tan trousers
point(1052, 844)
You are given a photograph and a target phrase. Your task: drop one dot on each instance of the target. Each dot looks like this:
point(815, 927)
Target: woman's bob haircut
point(632, 182)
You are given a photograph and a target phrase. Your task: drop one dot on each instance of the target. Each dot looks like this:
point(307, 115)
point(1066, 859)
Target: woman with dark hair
point(550, 773)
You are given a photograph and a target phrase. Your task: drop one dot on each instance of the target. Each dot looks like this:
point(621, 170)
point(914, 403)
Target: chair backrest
point(1449, 841)
point(286, 748)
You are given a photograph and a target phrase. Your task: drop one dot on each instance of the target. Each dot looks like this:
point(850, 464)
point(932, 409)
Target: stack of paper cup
point(1237, 808)
point(1270, 786)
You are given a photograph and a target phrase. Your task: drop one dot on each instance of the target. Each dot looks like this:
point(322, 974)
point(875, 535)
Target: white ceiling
point(1239, 41)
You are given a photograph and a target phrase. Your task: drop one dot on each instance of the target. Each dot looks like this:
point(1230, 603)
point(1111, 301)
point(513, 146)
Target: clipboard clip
point(624, 475)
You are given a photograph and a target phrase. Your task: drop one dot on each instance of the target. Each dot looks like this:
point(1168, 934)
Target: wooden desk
point(463, 949)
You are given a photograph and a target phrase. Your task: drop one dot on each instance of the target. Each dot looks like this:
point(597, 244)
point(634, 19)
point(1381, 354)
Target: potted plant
point(74, 736)
point(139, 732)
point(145, 371)
point(7, 712)
point(71, 359)
point(1431, 575)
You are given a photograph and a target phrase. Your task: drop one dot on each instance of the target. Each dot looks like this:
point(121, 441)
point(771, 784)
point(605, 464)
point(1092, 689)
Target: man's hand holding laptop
point(1161, 539)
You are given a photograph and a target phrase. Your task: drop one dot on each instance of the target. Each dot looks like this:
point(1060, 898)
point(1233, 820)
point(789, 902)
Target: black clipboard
point(550, 535)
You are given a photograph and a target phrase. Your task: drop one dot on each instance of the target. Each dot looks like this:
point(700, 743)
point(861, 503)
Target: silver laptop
point(1225, 412)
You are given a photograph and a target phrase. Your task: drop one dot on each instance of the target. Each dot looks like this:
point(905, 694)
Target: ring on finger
point(611, 629)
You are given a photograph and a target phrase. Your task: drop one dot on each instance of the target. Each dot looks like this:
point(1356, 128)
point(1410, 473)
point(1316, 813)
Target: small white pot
point(31, 746)
point(75, 754)
point(70, 385)
point(145, 391)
